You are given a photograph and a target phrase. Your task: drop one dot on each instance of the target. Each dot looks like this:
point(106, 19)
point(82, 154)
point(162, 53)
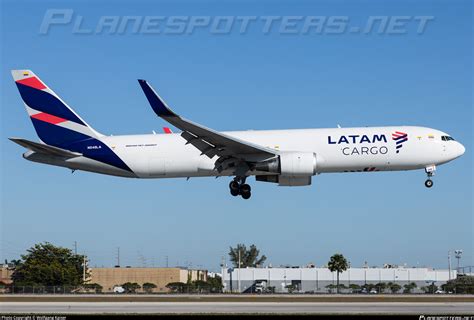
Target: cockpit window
point(447, 138)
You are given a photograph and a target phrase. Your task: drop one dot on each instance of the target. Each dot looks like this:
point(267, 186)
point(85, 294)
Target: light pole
point(449, 265)
point(84, 268)
point(458, 254)
point(239, 272)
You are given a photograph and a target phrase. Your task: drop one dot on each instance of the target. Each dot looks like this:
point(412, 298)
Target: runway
point(422, 308)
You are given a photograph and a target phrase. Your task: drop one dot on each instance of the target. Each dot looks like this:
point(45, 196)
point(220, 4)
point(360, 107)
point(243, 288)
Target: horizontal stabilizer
point(45, 149)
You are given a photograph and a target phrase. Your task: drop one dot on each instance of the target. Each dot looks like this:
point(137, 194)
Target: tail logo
point(399, 138)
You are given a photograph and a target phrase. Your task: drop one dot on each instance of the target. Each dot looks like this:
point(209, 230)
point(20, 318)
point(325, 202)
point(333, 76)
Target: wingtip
point(16, 140)
point(157, 104)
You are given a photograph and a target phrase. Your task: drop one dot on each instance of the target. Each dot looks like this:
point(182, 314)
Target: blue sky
point(236, 82)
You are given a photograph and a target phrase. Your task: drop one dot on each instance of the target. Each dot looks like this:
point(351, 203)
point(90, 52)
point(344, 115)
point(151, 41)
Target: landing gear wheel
point(234, 188)
point(245, 191)
point(246, 195)
point(234, 185)
point(430, 170)
point(245, 188)
point(239, 187)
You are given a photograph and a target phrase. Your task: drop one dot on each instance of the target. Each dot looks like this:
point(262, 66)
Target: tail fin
point(55, 122)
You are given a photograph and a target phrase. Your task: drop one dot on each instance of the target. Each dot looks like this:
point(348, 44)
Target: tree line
point(46, 268)
point(49, 267)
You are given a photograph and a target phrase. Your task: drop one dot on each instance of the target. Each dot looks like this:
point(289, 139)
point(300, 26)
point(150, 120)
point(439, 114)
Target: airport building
point(109, 278)
point(309, 280)
point(6, 272)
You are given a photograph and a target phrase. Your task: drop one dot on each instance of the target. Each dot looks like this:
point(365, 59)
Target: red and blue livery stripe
point(55, 124)
point(399, 138)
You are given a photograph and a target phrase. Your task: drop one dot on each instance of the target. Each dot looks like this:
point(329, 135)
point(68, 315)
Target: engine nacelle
point(291, 164)
point(291, 168)
point(298, 164)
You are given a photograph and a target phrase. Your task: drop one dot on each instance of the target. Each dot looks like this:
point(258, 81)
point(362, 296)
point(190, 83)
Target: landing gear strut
point(239, 187)
point(429, 172)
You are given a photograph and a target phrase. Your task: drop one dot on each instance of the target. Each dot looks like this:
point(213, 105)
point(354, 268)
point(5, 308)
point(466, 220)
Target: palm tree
point(337, 263)
point(248, 257)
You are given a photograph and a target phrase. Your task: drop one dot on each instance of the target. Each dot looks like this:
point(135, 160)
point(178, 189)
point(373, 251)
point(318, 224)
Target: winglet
point(158, 105)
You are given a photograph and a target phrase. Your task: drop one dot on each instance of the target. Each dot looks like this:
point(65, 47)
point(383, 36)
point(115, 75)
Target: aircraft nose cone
point(459, 149)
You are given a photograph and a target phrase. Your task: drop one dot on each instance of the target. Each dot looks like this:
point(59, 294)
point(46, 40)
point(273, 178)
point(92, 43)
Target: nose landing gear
point(239, 187)
point(429, 172)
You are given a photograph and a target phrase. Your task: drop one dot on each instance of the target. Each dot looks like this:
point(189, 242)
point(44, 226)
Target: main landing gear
point(239, 187)
point(429, 172)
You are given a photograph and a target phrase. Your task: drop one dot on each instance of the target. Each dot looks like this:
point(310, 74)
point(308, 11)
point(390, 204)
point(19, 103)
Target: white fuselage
point(336, 150)
point(286, 157)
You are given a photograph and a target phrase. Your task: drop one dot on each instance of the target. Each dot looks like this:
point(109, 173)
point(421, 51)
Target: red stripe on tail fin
point(32, 82)
point(48, 118)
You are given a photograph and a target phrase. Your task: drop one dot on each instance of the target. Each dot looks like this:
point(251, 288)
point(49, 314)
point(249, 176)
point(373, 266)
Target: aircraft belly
point(165, 165)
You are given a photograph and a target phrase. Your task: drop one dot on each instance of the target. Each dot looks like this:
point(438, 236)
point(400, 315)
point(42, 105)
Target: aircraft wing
point(44, 148)
point(208, 141)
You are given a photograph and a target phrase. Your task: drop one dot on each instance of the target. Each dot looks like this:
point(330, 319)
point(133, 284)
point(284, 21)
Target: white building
point(316, 279)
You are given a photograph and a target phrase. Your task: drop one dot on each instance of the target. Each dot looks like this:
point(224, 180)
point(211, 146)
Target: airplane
point(284, 157)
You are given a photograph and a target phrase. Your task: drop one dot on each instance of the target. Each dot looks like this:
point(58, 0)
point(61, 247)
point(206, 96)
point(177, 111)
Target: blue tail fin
point(55, 122)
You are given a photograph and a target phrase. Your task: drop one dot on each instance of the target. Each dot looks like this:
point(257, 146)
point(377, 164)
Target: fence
point(94, 290)
point(47, 290)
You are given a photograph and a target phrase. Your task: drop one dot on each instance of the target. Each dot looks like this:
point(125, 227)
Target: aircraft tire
point(234, 186)
point(429, 183)
point(245, 188)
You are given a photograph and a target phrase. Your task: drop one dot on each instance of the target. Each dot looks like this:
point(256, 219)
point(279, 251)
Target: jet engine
point(292, 168)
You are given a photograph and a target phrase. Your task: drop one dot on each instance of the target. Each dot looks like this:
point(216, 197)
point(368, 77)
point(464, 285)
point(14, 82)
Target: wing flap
point(44, 148)
point(202, 145)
